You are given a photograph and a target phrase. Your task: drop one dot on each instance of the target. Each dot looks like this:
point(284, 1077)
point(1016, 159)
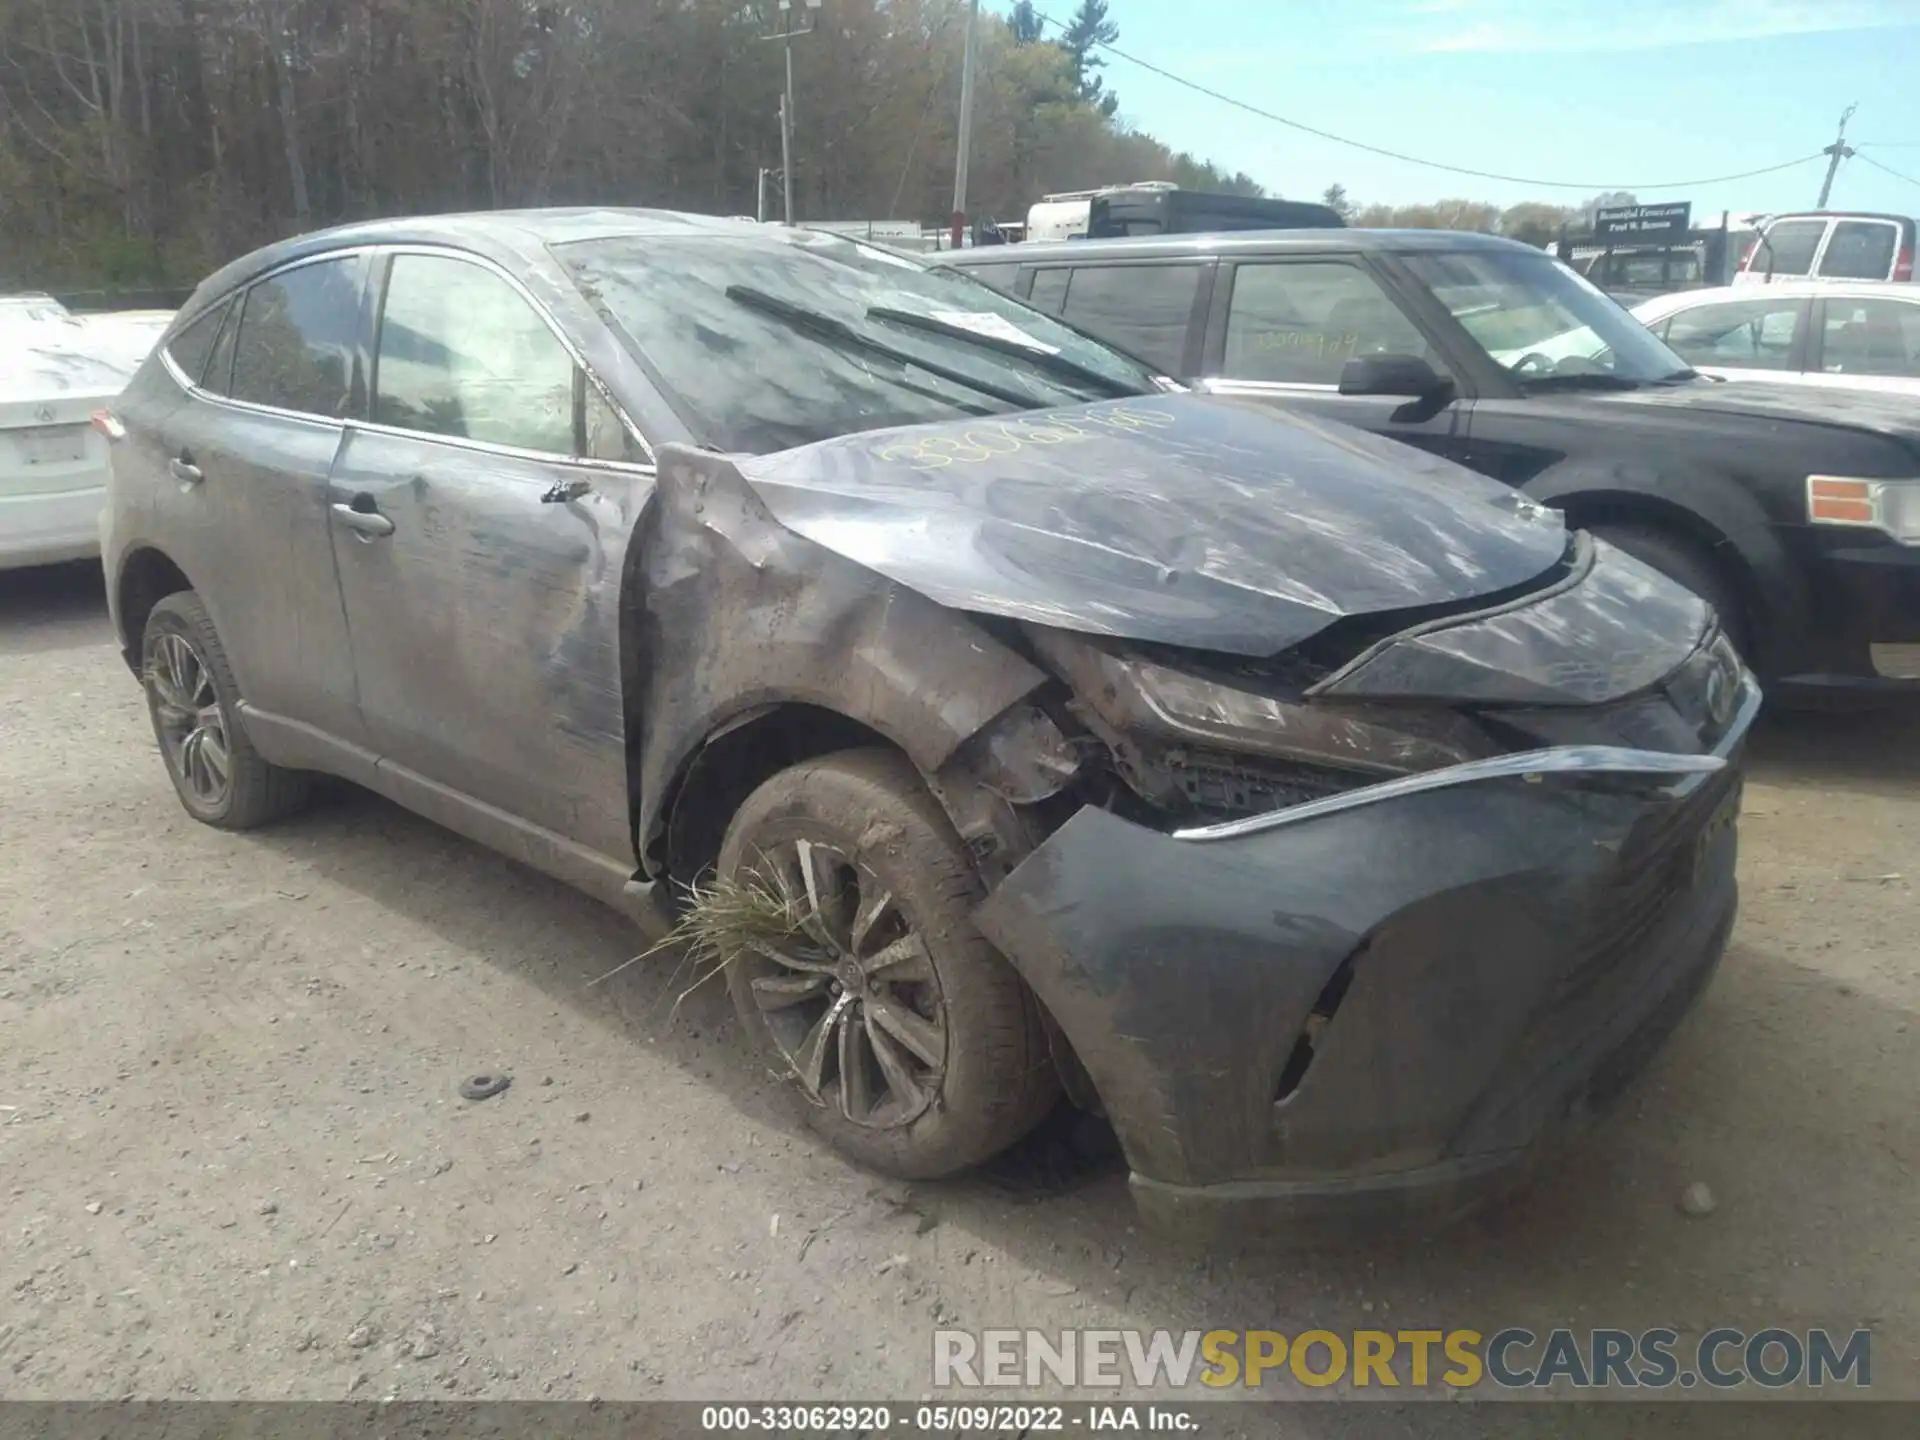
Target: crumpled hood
point(1181, 519)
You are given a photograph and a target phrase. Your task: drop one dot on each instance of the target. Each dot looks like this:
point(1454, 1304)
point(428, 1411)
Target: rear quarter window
point(191, 348)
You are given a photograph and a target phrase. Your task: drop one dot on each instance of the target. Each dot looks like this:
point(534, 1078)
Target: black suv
point(1796, 514)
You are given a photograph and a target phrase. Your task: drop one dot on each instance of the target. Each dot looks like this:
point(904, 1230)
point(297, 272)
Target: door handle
point(185, 471)
point(369, 523)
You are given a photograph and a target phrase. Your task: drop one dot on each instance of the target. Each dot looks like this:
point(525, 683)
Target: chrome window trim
point(1223, 386)
point(1530, 764)
point(238, 296)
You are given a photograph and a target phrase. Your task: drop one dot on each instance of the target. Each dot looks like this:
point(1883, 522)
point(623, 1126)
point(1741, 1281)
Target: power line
point(1239, 104)
point(1888, 168)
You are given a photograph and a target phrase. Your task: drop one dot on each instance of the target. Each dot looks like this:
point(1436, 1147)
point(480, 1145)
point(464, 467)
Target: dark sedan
point(1796, 514)
point(1006, 723)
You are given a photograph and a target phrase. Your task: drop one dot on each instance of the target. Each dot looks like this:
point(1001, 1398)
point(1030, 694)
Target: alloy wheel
point(850, 994)
point(193, 729)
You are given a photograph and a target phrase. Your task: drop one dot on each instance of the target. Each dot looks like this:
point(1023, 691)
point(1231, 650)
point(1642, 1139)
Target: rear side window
point(1788, 248)
point(1860, 250)
point(1299, 323)
point(462, 354)
point(296, 342)
point(1000, 277)
point(1049, 292)
point(1144, 309)
point(191, 347)
point(1741, 334)
point(1871, 337)
point(219, 374)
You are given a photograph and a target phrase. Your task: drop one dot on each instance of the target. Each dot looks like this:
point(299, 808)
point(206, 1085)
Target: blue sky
point(1602, 94)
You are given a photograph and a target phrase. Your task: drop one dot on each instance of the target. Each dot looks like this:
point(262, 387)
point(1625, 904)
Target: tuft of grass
point(721, 920)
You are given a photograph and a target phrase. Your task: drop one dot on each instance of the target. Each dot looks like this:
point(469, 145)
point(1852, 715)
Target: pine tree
point(1085, 34)
point(1027, 26)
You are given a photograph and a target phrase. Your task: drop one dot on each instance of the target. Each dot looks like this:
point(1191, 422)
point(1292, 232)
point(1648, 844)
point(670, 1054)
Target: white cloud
point(1512, 26)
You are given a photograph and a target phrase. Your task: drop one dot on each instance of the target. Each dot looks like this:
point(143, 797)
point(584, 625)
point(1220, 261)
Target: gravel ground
point(233, 1162)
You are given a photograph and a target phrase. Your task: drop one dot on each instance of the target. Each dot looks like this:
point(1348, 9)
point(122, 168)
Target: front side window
point(1860, 250)
point(191, 347)
point(766, 339)
point(462, 354)
point(1871, 337)
point(1740, 334)
point(1547, 326)
point(1787, 248)
point(296, 341)
point(1300, 322)
point(1144, 309)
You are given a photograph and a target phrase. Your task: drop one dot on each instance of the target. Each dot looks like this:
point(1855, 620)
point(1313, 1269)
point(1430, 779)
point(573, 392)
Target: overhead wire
point(1405, 158)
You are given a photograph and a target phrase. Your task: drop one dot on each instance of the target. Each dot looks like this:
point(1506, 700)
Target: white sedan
point(1854, 335)
point(56, 369)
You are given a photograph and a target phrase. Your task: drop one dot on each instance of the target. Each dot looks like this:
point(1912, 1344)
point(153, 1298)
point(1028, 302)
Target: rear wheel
point(195, 708)
point(1687, 562)
point(919, 1051)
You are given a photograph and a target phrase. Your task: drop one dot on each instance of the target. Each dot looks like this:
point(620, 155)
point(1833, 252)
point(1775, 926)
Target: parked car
point(1797, 515)
point(1829, 245)
point(56, 369)
point(1337, 821)
point(1848, 335)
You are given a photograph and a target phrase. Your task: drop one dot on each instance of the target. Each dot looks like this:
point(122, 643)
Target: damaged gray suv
point(1011, 724)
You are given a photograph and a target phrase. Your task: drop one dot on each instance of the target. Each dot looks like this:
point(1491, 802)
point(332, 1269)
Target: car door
point(1283, 330)
point(250, 451)
point(480, 521)
point(1866, 343)
point(1757, 338)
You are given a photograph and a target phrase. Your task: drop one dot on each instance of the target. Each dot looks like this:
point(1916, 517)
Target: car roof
point(1343, 240)
point(515, 238)
point(1787, 289)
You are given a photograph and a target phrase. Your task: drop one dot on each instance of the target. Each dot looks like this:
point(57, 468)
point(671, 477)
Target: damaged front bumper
point(1380, 1005)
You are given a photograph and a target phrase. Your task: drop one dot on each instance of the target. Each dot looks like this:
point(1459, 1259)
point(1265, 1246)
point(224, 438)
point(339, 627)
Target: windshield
point(1541, 321)
point(767, 341)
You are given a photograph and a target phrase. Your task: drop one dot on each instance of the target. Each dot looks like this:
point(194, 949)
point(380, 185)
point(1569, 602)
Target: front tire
point(919, 1050)
point(195, 708)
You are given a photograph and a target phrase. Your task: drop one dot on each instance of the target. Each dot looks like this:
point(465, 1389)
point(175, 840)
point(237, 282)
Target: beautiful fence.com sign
point(1643, 222)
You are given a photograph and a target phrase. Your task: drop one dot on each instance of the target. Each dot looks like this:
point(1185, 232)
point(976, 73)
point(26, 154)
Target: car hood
point(1179, 519)
point(1879, 411)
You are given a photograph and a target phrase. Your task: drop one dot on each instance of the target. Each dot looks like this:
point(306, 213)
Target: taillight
point(108, 424)
point(1903, 264)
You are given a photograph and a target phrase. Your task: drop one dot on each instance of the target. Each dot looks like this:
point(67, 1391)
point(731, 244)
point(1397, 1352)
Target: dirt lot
point(234, 1164)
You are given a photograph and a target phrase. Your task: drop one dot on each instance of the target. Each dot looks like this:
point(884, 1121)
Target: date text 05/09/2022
point(1087, 1418)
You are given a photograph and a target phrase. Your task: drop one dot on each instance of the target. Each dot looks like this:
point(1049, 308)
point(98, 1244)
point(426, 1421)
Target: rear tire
point(1686, 562)
point(919, 1066)
point(195, 708)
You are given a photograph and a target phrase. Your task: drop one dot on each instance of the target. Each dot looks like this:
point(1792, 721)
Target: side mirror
point(1406, 375)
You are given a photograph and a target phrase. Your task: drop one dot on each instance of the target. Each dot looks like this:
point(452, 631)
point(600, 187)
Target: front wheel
point(918, 1050)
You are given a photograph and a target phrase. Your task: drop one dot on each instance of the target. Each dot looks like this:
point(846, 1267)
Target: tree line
point(1535, 222)
point(145, 141)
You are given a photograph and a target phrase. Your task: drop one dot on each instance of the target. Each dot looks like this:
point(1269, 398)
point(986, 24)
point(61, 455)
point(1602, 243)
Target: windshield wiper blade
point(1051, 363)
point(833, 331)
point(1588, 381)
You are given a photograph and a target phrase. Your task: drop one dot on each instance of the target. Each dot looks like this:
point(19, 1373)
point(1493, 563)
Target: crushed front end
point(1349, 935)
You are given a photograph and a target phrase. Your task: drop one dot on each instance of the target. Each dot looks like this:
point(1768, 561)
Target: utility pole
point(966, 126)
point(1835, 153)
point(786, 36)
point(760, 196)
